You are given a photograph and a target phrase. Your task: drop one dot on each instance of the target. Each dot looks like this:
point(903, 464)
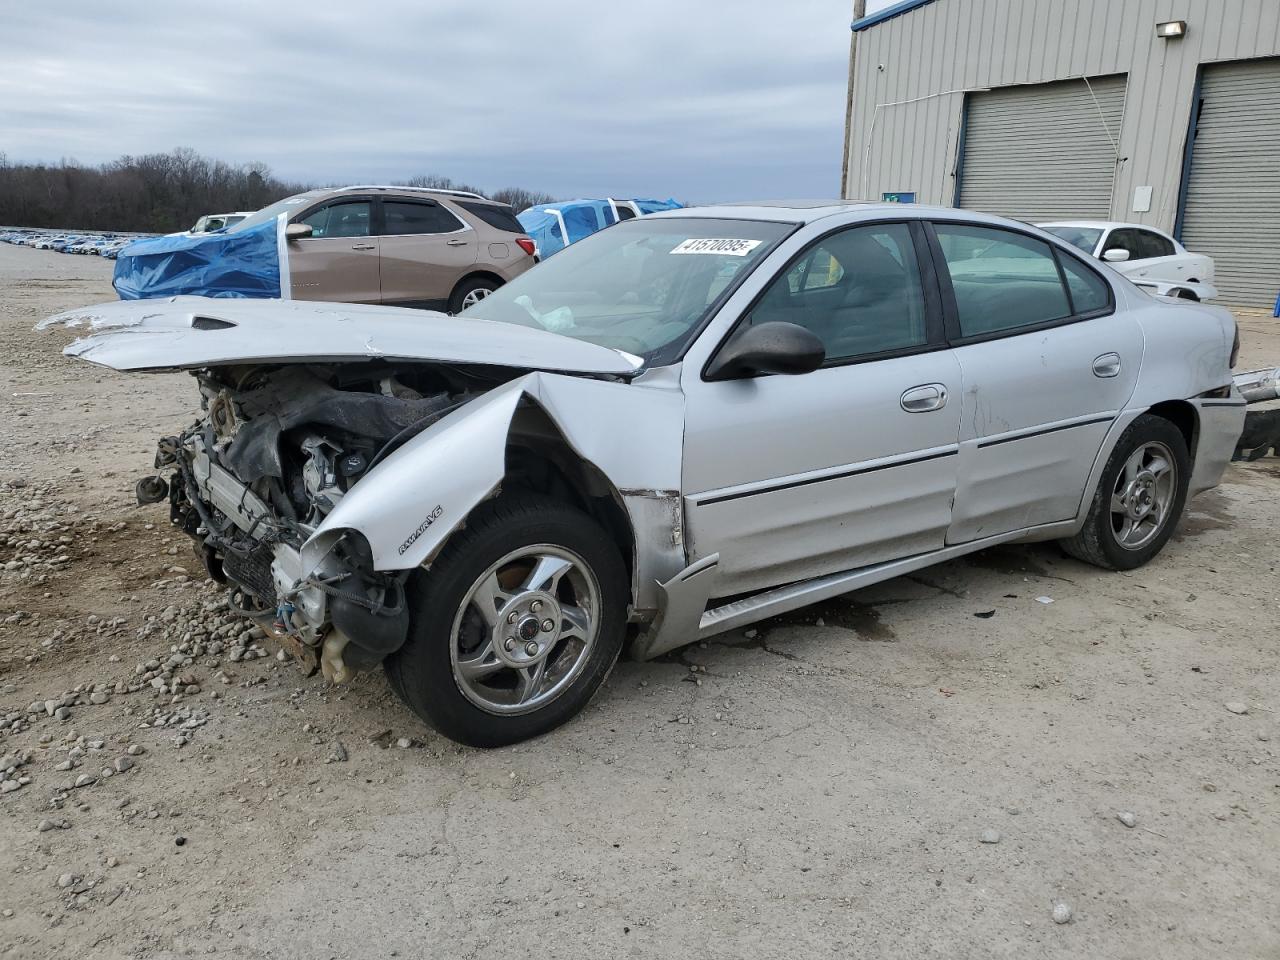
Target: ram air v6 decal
point(423, 527)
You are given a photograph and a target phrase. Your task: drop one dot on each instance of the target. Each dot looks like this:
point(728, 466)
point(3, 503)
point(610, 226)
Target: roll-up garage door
point(1044, 151)
point(1232, 209)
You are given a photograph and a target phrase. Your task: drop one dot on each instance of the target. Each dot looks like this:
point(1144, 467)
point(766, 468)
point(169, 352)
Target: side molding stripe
point(852, 472)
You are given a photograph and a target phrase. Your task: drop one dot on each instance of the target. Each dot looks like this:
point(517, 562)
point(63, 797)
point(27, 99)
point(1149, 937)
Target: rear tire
point(515, 626)
point(471, 291)
point(1139, 499)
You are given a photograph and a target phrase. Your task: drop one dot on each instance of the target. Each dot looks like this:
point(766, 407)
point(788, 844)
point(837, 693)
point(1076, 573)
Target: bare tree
point(158, 192)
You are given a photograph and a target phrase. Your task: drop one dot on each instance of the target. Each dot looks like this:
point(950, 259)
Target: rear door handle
point(926, 397)
point(455, 243)
point(1107, 366)
point(362, 246)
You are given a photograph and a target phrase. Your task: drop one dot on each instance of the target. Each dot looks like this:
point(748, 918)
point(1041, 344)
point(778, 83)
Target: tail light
point(1235, 349)
point(526, 244)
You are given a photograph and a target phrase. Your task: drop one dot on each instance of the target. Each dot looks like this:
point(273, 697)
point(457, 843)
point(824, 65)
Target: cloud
point(704, 101)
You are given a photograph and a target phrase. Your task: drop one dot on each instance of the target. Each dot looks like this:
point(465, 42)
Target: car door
point(1046, 365)
point(339, 261)
point(1130, 240)
point(791, 477)
point(1159, 259)
point(424, 250)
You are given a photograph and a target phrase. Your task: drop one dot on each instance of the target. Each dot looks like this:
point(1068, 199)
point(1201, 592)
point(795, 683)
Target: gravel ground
point(892, 774)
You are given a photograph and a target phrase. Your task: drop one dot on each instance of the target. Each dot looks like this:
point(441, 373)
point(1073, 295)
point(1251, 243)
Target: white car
point(672, 428)
point(1147, 256)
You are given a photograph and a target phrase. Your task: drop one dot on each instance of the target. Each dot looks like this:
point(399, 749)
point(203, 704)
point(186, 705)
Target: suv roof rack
point(391, 186)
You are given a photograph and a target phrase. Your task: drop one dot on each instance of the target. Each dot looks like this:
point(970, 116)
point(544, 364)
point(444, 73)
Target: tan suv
point(405, 246)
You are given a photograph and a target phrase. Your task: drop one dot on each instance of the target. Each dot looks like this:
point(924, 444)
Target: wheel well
point(540, 459)
point(1183, 416)
point(477, 275)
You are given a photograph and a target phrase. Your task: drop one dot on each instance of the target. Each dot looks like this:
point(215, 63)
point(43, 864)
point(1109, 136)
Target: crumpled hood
point(183, 333)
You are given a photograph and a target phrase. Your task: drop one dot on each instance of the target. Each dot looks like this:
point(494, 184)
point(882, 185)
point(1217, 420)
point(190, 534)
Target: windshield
point(643, 286)
point(271, 212)
point(1084, 238)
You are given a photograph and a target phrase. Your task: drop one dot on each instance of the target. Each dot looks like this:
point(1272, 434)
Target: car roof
point(1101, 225)
point(393, 188)
point(808, 211)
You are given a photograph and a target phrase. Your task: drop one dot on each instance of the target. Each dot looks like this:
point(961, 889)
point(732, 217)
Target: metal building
point(1164, 112)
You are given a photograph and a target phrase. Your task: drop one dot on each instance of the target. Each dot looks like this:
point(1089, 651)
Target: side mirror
point(298, 231)
point(1115, 255)
point(774, 347)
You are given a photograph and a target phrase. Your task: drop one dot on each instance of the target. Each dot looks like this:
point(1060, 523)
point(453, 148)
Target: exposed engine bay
point(276, 449)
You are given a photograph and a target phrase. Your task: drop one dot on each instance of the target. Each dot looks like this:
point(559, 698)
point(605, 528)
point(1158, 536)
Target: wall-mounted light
point(1171, 29)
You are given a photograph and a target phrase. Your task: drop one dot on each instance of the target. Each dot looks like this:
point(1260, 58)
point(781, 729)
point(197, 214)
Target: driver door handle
point(926, 397)
point(362, 246)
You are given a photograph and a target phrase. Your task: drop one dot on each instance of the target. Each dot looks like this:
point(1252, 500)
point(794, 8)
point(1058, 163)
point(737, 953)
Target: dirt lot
point(819, 787)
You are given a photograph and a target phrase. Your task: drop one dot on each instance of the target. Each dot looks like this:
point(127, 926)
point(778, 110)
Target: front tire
point(1139, 499)
point(515, 626)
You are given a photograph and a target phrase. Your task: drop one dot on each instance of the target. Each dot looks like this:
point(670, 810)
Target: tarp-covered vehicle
point(676, 427)
point(553, 226)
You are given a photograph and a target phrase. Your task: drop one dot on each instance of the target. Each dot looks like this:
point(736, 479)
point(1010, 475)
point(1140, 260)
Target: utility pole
point(859, 11)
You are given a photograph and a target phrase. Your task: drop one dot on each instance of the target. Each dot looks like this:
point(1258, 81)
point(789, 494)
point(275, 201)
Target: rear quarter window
point(499, 216)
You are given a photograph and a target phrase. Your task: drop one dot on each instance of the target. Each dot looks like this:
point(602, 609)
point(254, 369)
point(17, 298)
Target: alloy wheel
point(1142, 499)
point(525, 629)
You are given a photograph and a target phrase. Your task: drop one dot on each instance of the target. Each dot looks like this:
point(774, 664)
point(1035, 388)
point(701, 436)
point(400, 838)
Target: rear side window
point(499, 216)
point(625, 213)
point(1002, 280)
point(402, 218)
point(1154, 245)
point(1089, 292)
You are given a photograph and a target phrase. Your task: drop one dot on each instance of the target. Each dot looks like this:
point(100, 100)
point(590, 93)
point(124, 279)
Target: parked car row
point(106, 245)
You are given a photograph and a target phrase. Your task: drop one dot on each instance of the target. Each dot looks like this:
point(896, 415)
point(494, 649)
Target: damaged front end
point(275, 451)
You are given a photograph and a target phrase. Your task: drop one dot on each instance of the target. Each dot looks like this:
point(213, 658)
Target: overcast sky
point(698, 99)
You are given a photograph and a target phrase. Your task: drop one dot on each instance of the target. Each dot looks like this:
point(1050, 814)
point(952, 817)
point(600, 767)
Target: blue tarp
point(244, 263)
point(547, 224)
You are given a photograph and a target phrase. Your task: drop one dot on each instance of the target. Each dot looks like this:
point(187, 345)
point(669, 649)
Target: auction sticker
point(723, 247)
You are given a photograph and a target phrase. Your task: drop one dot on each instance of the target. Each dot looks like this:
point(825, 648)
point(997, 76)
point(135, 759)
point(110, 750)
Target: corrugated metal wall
point(1014, 161)
point(912, 72)
point(1232, 208)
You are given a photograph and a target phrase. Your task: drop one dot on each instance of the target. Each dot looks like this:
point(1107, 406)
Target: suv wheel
point(470, 292)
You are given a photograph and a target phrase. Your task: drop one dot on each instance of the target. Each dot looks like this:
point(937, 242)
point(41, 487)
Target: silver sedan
point(678, 426)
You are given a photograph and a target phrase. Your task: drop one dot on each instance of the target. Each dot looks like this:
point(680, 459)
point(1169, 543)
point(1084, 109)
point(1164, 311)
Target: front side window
point(643, 286)
point(348, 218)
point(1130, 240)
point(859, 290)
point(402, 218)
point(1002, 280)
